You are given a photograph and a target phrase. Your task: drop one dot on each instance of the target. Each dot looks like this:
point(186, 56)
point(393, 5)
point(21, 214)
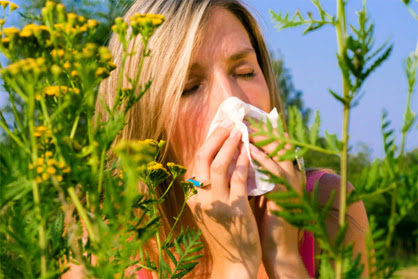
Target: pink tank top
point(306, 248)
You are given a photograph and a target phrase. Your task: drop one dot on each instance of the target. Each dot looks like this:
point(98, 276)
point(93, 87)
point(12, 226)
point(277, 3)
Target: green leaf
point(313, 135)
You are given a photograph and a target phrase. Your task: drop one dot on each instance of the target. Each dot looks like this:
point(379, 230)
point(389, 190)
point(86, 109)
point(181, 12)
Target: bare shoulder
point(356, 212)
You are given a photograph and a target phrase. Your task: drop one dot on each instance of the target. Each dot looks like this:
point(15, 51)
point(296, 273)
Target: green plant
point(58, 201)
point(357, 59)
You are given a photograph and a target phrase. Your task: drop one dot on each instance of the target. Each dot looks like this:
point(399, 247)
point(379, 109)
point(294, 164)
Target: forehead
point(223, 35)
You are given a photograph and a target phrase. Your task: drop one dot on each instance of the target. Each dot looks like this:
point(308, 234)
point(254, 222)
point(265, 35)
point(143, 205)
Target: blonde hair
point(172, 47)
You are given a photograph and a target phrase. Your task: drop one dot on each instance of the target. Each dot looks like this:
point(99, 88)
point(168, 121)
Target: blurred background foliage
point(405, 244)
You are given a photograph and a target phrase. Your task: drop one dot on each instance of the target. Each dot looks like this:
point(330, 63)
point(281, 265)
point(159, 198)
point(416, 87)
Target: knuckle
point(238, 177)
point(200, 155)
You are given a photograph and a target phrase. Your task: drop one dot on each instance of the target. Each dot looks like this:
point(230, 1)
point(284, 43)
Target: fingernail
point(235, 133)
point(226, 123)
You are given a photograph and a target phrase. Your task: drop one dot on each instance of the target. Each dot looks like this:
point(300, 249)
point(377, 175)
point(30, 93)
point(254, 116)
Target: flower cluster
point(22, 72)
point(46, 168)
point(145, 24)
point(44, 136)
point(59, 28)
point(57, 91)
point(176, 170)
point(142, 152)
point(157, 173)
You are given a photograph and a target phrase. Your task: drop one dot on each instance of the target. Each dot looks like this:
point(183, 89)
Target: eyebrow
point(235, 57)
point(241, 54)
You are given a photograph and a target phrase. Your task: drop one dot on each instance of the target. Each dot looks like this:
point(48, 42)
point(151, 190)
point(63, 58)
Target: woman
point(205, 52)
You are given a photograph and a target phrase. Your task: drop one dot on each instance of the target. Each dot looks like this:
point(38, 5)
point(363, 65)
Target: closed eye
point(247, 75)
point(190, 90)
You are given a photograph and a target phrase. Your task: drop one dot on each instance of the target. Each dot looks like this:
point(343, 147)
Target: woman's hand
point(279, 239)
point(222, 210)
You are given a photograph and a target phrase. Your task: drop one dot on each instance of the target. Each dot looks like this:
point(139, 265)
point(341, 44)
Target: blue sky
point(312, 63)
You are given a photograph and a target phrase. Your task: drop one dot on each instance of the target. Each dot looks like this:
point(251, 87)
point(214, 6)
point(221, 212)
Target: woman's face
point(224, 66)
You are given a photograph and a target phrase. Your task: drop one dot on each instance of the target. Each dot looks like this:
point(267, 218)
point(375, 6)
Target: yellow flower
point(41, 131)
point(4, 4)
point(45, 176)
point(51, 162)
point(66, 170)
point(11, 32)
point(58, 54)
point(26, 33)
point(40, 161)
point(39, 170)
point(157, 172)
point(51, 170)
point(67, 65)
point(74, 73)
point(176, 170)
point(30, 166)
point(38, 180)
point(48, 154)
point(13, 7)
point(5, 42)
point(2, 22)
point(59, 178)
point(91, 23)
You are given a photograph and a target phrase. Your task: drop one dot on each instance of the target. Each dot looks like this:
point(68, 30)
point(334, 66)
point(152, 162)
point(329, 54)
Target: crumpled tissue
point(236, 110)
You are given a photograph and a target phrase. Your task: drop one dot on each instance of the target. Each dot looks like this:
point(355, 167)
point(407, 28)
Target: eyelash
point(196, 87)
point(246, 76)
point(190, 90)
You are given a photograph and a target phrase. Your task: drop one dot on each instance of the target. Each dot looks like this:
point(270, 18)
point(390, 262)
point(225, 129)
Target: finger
point(283, 169)
point(207, 152)
point(220, 165)
point(265, 161)
point(240, 175)
point(280, 149)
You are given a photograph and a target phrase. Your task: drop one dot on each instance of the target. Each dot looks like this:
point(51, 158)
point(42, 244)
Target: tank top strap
point(313, 178)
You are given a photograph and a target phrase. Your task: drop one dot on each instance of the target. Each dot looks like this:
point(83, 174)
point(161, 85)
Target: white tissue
point(236, 110)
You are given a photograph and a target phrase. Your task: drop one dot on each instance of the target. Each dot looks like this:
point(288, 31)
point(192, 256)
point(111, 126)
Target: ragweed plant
point(67, 195)
point(357, 59)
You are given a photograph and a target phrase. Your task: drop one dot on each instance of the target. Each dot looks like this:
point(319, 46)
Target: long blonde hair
point(172, 47)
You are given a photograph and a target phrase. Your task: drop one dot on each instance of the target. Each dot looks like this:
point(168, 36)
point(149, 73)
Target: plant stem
point(175, 223)
point(408, 106)
point(35, 188)
point(82, 213)
point(120, 78)
point(102, 157)
point(144, 54)
point(19, 123)
point(13, 137)
point(75, 125)
point(341, 39)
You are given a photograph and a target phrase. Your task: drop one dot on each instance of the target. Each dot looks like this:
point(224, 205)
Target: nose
point(225, 86)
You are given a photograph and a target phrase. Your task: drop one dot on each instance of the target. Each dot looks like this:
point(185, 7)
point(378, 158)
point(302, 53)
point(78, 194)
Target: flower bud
point(72, 19)
point(13, 7)
point(4, 4)
point(50, 6)
point(56, 70)
point(61, 15)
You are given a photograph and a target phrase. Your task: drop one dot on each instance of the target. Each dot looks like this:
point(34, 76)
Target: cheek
point(190, 132)
point(258, 93)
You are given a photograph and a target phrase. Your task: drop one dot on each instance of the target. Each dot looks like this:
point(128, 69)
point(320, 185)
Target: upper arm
point(356, 216)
